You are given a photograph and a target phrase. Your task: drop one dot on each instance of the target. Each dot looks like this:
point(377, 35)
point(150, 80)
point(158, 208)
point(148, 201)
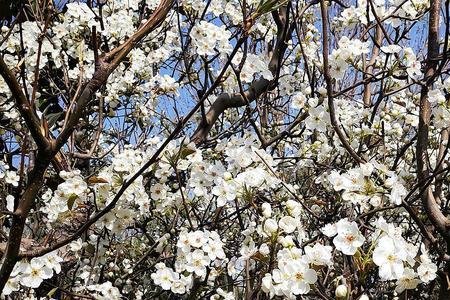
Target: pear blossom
point(270, 226)
point(293, 278)
point(12, 178)
point(319, 254)
point(389, 258)
point(164, 276)
point(206, 36)
point(318, 118)
point(12, 285)
point(197, 262)
point(408, 281)
point(348, 238)
point(225, 192)
point(36, 271)
point(427, 269)
point(298, 100)
point(10, 202)
point(288, 224)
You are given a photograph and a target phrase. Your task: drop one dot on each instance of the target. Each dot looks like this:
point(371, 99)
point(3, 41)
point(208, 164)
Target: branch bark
point(375, 51)
point(429, 202)
point(257, 88)
point(329, 84)
point(433, 210)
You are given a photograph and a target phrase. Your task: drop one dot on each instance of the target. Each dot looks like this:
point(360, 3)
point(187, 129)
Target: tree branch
point(106, 65)
point(23, 105)
point(328, 80)
point(437, 218)
point(257, 88)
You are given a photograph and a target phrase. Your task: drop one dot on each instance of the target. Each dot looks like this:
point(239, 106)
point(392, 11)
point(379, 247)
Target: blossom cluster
point(70, 193)
point(360, 189)
point(197, 252)
point(32, 273)
point(208, 37)
point(347, 53)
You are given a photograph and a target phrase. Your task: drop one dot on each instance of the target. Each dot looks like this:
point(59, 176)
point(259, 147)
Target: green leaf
point(52, 292)
point(52, 118)
point(185, 152)
point(41, 102)
point(266, 6)
point(71, 201)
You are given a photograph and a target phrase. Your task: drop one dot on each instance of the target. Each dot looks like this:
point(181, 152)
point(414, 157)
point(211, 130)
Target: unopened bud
point(341, 291)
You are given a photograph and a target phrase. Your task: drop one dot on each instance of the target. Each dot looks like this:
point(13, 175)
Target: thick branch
point(433, 210)
point(36, 179)
point(257, 87)
point(226, 101)
point(369, 70)
point(443, 149)
point(107, 64)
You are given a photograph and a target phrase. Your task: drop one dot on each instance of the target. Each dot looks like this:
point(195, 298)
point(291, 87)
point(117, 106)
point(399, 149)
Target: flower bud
point(270, 226)
point(341, 291)
point(307, 90)
point(375, 201)
point(313, 102)
point(266, 210)
point(227, 176)
point(316, 208)
point(264, 249)
point(322, 91)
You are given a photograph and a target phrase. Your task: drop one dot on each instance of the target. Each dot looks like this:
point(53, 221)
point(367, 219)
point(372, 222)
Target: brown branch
point(369, 70)
point(437, 218)
point(329, 84)
point(40, 40)
point(36, 179)
point(23, 105)
point(106, 65)
point(257, 88)
point(443, 149)
point(225, 101)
